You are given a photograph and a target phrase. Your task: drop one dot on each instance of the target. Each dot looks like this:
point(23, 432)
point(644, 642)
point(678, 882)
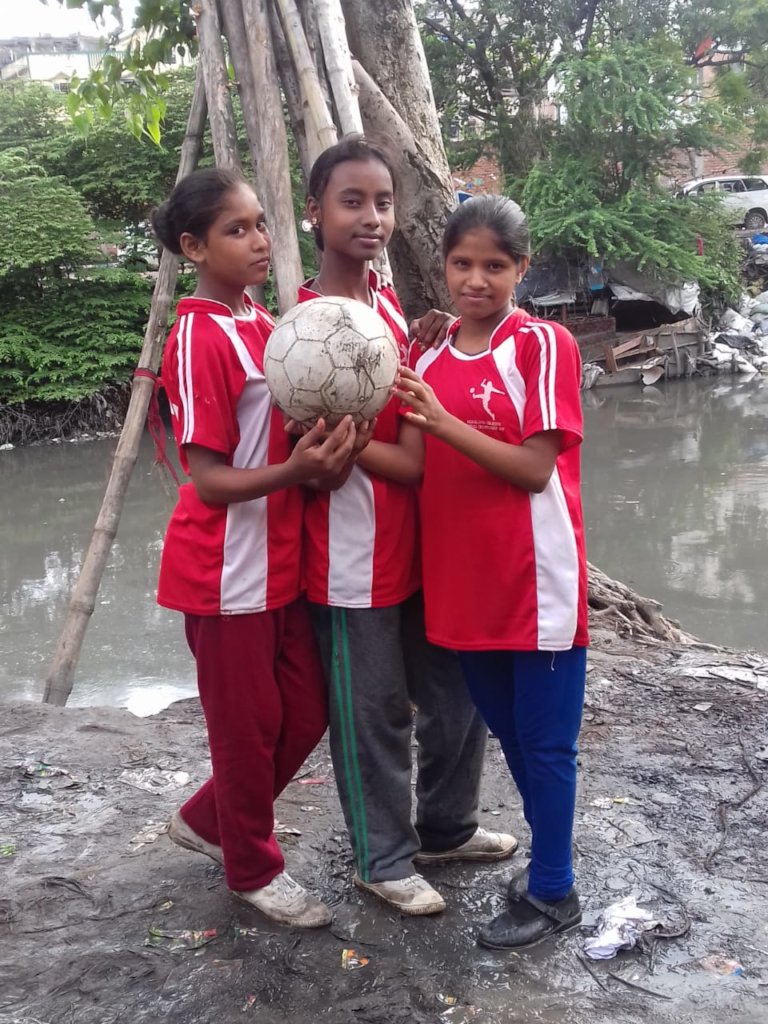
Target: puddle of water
point(676, 502)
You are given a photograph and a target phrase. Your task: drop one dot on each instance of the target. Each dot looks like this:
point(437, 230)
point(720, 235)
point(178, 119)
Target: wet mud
point(672, 808)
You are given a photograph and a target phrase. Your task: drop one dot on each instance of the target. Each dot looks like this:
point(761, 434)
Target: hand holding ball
point(331, 357)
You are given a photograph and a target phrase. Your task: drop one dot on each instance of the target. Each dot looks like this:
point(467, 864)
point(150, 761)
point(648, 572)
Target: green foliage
point(596, 195)
point(131, 80)
point(43, 222)
point(70, 338)
point(120, 176)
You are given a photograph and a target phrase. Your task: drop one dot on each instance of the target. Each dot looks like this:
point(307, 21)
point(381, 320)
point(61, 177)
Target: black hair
point(193, 205)
point(500, 215)
point(351, 147)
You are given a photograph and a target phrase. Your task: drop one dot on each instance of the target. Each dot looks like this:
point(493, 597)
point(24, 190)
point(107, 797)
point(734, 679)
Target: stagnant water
point(676, 502)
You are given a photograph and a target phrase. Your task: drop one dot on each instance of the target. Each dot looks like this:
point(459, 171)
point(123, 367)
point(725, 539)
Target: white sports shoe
point(180, 833)
point(483, 845)
point(287, 902)
point(412, 895)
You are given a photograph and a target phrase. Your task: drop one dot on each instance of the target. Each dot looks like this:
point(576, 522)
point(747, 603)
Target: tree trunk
point(58, 683)
point(423, 199)
point(214, 64)
point(271, 147)
point(385, 40)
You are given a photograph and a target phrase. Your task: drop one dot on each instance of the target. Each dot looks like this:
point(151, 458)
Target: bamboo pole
point(213, 61)
point(323, 131)
point(291, 92)
point(271, 145)
point(58, 683)
point(338, 63)
point(312, 35)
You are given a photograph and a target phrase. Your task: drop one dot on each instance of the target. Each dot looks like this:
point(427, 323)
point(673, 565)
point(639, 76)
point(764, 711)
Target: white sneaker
point(483, 845)
point(287, 902)
point(412, 895)
point(180, 833)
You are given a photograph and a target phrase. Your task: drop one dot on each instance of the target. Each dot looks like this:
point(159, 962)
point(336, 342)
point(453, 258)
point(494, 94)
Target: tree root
point(35, 422)
point(612, 602)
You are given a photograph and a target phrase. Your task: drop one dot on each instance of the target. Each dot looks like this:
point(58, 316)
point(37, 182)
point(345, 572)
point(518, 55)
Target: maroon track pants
point(264, 698)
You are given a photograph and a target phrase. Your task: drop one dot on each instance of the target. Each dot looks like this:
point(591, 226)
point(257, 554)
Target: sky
point(33, 18)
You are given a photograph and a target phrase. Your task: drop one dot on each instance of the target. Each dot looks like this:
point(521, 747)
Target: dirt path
point(78, 898)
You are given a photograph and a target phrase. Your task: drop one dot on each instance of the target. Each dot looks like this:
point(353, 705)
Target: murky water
point(676, 499)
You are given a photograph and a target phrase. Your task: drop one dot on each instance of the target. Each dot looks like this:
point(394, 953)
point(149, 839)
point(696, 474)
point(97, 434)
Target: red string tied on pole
point(155, 423)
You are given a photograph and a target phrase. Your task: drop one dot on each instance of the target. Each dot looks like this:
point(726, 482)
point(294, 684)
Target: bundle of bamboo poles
point(284, 58)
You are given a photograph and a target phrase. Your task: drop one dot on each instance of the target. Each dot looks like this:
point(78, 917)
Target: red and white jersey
point(504, 568)
point(360, 542)
point(243, 557)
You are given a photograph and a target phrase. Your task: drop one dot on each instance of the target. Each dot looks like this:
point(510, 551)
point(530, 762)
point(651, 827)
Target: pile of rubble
point(739, 344)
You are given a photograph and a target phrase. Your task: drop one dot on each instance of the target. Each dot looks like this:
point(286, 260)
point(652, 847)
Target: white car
point(746, 196)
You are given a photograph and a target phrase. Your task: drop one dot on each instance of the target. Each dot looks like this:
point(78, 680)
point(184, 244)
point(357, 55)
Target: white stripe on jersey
point(505, 358)
point(390, 310)
point(186, 392)
point(228, 325)
point(425, 361)
point(351, 540)
point(246, 561)
point(548, 361)
point(557, 567)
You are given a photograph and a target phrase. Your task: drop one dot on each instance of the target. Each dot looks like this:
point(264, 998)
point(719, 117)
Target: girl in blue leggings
point(503, 539)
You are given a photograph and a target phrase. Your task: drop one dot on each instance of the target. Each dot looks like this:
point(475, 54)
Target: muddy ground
point(680, 736)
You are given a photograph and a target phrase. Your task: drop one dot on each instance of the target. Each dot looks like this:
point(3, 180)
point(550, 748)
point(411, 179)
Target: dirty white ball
point(331, 357)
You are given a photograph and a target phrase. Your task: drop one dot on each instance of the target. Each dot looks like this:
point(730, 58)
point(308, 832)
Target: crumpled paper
point(619, 927)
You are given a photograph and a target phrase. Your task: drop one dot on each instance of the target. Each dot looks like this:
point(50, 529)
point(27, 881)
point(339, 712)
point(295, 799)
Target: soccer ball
point(331, 357)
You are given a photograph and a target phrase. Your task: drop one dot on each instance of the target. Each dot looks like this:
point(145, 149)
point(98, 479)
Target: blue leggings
point(532, 701)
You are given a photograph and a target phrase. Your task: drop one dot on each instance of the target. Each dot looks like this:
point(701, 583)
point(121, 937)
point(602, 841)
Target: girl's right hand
point(430, 329)
point(316, 456)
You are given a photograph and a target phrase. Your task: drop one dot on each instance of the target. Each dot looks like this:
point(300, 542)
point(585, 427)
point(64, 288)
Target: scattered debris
point(246, 933)
point(609, 801)
point(447, 1000)
point(41, 770)
point(7, 849)
point(285, 830)
point(249, 1003)
point(150, 833)
point(175, 941)
point(618, 927)
point(154, 780)
point(313, 782)
point(351, 960)
point(719, 964)
point(459, 1014)
point(704, 706)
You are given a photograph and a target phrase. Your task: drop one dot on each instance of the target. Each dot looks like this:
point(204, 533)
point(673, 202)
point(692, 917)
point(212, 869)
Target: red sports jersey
point(504, 568)
point(243, 557)
point(360, 541)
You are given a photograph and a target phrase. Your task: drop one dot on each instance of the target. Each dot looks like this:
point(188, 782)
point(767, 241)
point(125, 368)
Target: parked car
point(746, 197)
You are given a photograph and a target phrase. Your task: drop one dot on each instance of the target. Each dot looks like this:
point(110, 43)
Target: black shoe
point(518, 884)
point(529, 921)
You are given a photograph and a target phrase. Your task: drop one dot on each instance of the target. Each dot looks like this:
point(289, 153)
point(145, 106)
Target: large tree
point(495, 64)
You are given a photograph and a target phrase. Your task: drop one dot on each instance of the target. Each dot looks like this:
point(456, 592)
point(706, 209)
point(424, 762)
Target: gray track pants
point(378, 662)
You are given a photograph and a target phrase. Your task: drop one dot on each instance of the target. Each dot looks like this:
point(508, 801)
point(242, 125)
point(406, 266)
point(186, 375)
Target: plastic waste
point(619, 927)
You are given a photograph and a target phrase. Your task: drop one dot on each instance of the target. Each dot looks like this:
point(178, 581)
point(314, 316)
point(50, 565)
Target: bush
point(68, 339)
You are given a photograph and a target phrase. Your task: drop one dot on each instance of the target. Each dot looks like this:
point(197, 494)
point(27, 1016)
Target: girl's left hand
point(426, 411)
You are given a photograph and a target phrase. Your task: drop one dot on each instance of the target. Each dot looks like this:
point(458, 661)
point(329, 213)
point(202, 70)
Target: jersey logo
point(484, 394)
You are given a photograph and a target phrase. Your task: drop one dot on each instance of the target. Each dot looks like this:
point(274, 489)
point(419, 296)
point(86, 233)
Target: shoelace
point(285, 886)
